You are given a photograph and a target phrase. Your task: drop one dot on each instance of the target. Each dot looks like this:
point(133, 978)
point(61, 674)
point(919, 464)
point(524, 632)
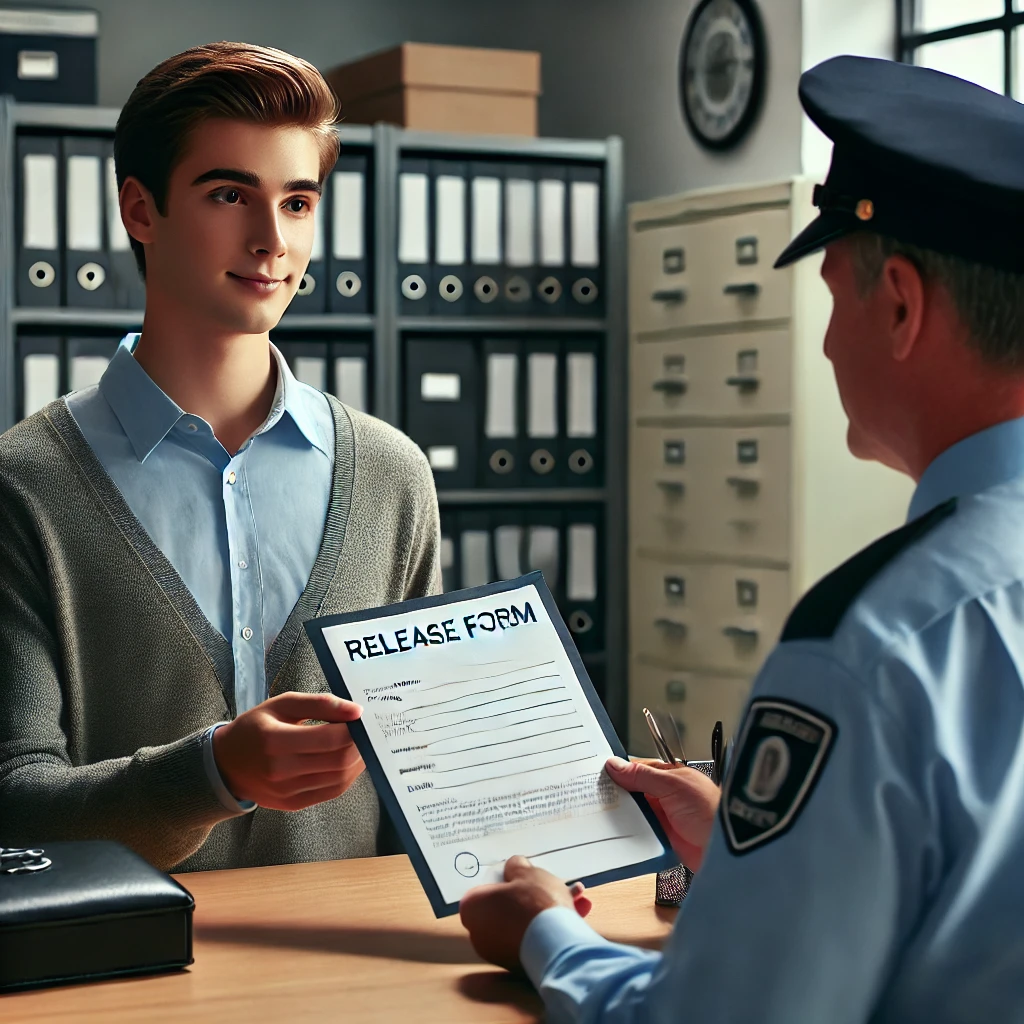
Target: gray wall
point(609, 66)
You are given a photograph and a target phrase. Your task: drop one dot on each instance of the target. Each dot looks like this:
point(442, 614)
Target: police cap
point(918, 155)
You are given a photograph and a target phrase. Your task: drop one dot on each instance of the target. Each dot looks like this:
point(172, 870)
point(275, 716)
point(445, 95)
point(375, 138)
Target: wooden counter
point(351, 940)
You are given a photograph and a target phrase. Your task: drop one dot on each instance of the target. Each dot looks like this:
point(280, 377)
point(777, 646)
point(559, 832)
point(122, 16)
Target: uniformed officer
point(866, 862)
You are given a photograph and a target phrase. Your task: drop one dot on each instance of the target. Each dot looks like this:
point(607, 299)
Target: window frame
point(909, 39)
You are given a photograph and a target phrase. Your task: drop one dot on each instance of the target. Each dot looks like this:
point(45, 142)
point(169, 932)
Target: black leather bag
point(82, 910)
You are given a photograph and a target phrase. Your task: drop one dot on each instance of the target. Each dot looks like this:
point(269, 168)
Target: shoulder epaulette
point(821, 609)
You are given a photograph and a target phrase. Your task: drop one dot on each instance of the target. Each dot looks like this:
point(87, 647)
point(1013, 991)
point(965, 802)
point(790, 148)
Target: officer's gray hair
point(990, 302)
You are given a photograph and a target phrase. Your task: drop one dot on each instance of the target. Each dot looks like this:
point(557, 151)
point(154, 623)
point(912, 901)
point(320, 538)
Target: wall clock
point(722, 71)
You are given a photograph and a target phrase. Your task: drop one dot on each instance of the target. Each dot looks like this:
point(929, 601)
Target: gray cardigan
point(110, 673)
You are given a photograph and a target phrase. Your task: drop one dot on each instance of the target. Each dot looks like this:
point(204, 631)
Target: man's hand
point(684, 800)
point(267, 756)
point(497, 916)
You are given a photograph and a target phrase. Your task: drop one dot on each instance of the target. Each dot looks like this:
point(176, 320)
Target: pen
point(717, 754)
point(659, 741)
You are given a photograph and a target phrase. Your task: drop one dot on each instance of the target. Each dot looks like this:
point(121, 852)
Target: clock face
point(722, 72)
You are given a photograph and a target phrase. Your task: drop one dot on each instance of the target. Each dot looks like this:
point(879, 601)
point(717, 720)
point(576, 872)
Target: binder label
point(486, 227)
point(40, 184)
point(84, 196)
point(347, 229)
point(586, 198)
point(450, 226)
point(440, 387)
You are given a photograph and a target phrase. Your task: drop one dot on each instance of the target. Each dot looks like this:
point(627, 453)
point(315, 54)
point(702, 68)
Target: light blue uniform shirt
point(897, 891)
point(241, 531)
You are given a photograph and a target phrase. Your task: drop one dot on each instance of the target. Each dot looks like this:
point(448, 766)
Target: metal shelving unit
point(387, 328)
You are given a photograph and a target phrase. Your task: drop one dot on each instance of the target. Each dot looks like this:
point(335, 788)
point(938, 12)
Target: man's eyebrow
point(253, 180)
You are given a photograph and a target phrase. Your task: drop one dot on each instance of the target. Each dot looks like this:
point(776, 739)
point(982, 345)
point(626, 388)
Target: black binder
point(502, 449)
point(125, 279)
point(449, 283)
point(508, 543)
point(450, 572)
point(583, 446)
point(78, 911)
point(87, 359)
point(475, 548)
point(415, 242)
point(348, 260)
point(39, 221)
point(543, 548)
point(351, 374)
point(583, 605)
point(553, 227)
point(87, 278)
point(586, 292)
point(310, 296)
point(485, 273)
point(308, 362)
point(544, 417)
point(520, 242)
point(440, 407)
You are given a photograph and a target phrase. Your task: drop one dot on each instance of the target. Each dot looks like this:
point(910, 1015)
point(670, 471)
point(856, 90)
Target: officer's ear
point(902, 292)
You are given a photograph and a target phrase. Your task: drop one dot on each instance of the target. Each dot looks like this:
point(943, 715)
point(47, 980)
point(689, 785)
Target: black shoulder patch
point(821, 609)
point(782, 749)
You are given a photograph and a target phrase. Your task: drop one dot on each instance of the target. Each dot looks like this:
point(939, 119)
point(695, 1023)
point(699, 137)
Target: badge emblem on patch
point(780, 753)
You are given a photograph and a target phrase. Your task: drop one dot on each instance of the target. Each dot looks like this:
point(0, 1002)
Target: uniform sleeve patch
point(779, 756)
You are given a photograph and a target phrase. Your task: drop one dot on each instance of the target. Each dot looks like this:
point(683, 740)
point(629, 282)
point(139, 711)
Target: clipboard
point(442, 908)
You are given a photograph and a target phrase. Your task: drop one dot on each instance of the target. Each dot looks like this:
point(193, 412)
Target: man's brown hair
point(236, 81)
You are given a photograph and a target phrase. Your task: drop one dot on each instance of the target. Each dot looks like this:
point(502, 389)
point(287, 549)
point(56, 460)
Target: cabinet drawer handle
point(740, 633)
point(673, 295)
point(744, 383)
point(749, 289)
point(743, 484)
point(676, 488)
point(672, 627)
point(670, 386)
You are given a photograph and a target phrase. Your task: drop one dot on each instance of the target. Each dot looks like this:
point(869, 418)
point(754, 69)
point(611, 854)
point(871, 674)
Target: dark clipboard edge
point(314, 630)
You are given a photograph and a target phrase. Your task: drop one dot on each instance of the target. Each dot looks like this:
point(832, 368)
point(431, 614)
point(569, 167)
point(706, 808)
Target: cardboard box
point(442, 88)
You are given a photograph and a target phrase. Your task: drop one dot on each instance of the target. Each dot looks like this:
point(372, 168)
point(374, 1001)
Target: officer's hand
point(684, 800)
point(267, 756)
point(497, 916)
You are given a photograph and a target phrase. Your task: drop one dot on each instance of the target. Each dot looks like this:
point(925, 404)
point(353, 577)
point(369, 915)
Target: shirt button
point(243, 564)
point(192, 426)
point(231, 477)
point(246, 633)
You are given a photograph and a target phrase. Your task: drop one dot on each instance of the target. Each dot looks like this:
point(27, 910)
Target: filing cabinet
point(742, 492)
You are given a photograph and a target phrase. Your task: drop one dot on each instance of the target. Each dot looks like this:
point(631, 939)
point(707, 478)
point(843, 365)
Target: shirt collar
point(147, 414)
point(986, 459)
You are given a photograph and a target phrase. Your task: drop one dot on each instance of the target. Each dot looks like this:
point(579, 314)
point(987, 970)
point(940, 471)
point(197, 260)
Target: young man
point(865, 860)
point(163, 536)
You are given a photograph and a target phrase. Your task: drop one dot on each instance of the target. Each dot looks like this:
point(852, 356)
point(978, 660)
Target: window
point(980, 40)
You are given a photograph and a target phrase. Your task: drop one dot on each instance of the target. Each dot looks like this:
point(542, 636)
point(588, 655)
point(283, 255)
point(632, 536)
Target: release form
point(485, 739)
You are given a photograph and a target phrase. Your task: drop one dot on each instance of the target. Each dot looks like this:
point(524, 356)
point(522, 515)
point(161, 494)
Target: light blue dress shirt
point(897, 894)
point(241, 530)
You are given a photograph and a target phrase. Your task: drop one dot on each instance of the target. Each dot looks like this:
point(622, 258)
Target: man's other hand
point(266, 755)
point(497, 916)
point(683, 799)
